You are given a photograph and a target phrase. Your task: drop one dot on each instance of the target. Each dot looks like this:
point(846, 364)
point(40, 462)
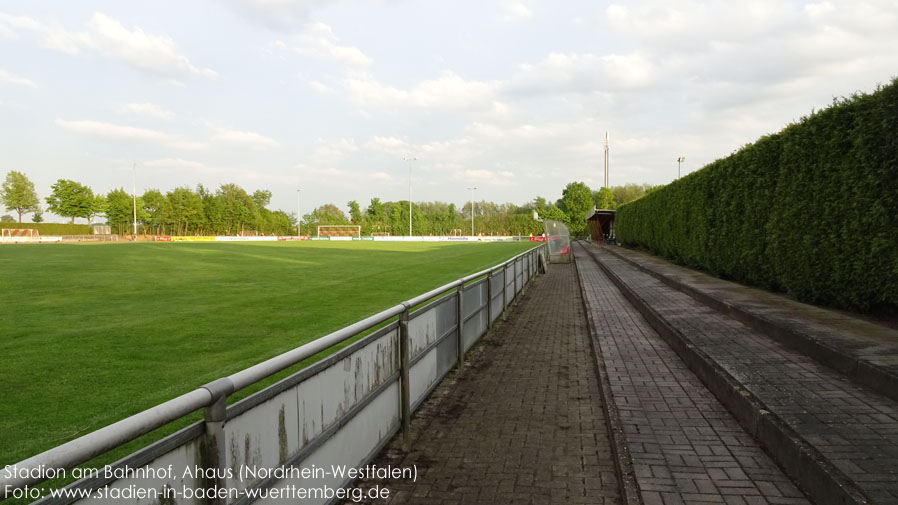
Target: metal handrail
point(84, 448)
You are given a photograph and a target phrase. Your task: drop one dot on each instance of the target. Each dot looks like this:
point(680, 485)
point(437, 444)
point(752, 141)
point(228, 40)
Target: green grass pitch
point(94, 333)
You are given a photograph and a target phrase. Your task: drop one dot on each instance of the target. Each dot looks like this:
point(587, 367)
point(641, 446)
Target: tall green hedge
point(52, 228)
point(811, 210)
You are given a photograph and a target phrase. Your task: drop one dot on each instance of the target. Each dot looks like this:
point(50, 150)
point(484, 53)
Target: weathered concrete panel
point(182, 458)
point(274, 431)
point(475, 297)
point(350, 446)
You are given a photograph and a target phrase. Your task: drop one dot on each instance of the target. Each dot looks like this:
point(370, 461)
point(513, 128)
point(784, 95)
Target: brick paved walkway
point(685, 446)
point(523, 422)
point(864, 351)
point(850, 427)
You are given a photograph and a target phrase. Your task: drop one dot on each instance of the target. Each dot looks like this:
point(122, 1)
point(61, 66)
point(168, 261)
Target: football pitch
point(94, 333)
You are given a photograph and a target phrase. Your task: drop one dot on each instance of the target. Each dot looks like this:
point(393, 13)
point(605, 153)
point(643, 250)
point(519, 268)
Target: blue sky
point(328, 96)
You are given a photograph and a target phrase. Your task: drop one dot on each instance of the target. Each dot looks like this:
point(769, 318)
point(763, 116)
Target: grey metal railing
point(358, 398)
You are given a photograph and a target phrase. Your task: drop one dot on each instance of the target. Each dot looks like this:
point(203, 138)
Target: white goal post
point(19, 235)
point(340, 230)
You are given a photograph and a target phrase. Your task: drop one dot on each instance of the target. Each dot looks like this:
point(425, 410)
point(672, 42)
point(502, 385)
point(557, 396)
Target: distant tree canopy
point(17, 193)
point(231, 210)
point(72, 199)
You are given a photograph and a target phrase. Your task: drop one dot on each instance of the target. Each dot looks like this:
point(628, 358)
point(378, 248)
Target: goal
point(340, 230)
point(19, 235)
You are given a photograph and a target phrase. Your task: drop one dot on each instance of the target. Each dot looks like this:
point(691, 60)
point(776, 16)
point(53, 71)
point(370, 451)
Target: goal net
point(19, 235)
point(340, 230)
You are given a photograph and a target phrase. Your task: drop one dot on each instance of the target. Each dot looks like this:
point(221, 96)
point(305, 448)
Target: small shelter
point(601, 225)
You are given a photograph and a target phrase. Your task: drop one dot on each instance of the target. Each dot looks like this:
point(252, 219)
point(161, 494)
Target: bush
point(52, 228)
point(811, 210)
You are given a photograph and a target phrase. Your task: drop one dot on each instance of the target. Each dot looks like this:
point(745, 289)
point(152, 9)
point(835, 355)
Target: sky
point(329, 96)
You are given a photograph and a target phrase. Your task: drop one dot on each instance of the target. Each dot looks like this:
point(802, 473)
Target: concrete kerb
point(808, 468)
point(857, 369)
point(623, 461)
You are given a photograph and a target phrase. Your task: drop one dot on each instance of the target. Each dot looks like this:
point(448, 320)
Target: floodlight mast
point(410, 160)
point(134, 197)
point(606, 159)
point(472, 210)
point(681, 159)
point(298, 217)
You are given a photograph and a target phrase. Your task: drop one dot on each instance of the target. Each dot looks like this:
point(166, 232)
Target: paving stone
point(522, 423)
point(685, 446)
point(855, 434)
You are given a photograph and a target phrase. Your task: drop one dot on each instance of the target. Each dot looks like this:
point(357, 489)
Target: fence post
point(404, 385)
point(213, 452)
point(461, 324)
point(504, 290)
point(489, 300)
point(515, 273)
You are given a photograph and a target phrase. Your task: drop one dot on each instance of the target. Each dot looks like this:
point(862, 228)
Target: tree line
point(231, 210)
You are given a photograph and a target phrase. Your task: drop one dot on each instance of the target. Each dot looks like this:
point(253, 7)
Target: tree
point(186, 210)
point(355, 213)
point(629, 192)
point(238, 208)
point(158, 210)
point(120, 211)
point(213, 211)
point(261, 197)
point(38, 216)
point(97, 207)
point(555, 213)
point(576, 201)
point(376, 216)
point(18, 194)
point(70, 199)
point(6, 218)
point(604, 199)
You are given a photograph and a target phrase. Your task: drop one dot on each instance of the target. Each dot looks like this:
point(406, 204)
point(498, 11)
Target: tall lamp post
point(298, 217)
point(134, 197)
point(410, 160)
point(681, 159)
point(472, 210)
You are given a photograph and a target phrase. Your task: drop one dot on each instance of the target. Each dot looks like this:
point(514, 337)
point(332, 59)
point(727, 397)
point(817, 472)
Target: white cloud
point(154, 54)
point(9, 25)
point(16, 79)
point(240, 175)
point(148, 110)
point(112, 131)
point(585, 73)
point(319, 42)
point(486, 177)
point(332, 151)
point(392, 146)
point(449, 91)
point(517, 11)
point(320, 87)
point(115, 132)
point(249, 139)
point(279, 15)
point(178, 164)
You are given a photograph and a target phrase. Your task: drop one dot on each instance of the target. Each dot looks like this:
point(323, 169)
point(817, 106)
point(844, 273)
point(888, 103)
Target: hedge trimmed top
point(811, 210)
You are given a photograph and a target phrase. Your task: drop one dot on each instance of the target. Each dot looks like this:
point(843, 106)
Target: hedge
point(52, 228)
point(811, 210)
